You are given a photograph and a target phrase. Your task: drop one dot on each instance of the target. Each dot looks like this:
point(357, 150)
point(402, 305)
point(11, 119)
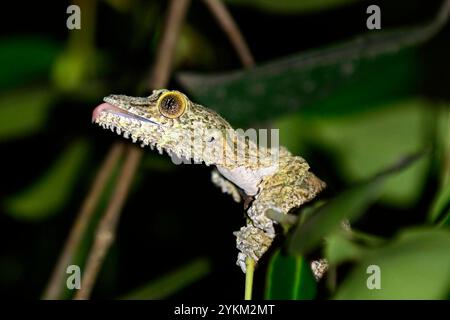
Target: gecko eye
point(171, 104)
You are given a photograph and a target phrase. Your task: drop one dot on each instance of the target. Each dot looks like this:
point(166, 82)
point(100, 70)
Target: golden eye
point(172, 104)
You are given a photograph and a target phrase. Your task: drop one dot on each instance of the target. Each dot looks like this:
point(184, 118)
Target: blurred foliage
point(24, 114)
point(168, 284)
point(348, 205)
point(49, 193)
point(24, 59)
point(440, 210)
point(351, 108)
point(414, 265)
point(291, 6)
point(289, 278)
point(366, 142)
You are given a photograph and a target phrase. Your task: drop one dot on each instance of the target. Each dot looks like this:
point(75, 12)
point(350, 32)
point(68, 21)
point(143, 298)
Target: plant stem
point(106, 229)
point(250, 265)
point(54, 286)
point(231, 29)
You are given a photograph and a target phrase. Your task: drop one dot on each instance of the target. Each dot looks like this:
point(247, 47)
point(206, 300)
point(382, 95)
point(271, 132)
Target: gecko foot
point(252, 242)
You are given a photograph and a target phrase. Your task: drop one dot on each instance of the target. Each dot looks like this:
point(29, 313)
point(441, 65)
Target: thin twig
point(54, 287)
point(160, 75)
point(106, 229)
point(231, 29)
point(166, 49)
point(83, 39)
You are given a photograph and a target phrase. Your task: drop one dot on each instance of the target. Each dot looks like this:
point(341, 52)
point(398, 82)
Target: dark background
point(173, 213)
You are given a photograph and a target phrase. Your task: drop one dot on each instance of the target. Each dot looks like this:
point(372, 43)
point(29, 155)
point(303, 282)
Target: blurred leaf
point(313, 83)
point(47, 195)
point(348, 73)
point(365, 238)
point(348, 205)
point(365, 143)
point(416, 265)
point(172, 282)
point(23, 60)
point(80, 61)
point(289, 278)
point(74, 67)
point(441, 205)
point(121, 5)
point(338, 248)
point(193, 49)
point(23, 112)
point(344, 245)
point(291, 6)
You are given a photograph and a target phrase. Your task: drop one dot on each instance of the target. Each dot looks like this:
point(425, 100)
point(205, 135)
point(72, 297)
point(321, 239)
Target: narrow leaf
point(416, 265)
point(46, 196)
point(291, 6)
point(25, 59)
point(350, 204)
point(441, 205)
point(23, 112)
point(289, 278)
point(348, 72)
point(172, 282)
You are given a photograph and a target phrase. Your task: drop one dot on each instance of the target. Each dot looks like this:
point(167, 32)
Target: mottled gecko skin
point(273, 178)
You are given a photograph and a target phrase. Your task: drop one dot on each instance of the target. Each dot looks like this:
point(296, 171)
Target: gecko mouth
point(110, 108)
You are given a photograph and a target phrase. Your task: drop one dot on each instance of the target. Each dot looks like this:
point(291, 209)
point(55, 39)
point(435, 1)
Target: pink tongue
point(100, 108)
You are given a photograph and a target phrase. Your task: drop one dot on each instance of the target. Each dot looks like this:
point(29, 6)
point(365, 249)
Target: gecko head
point(167, 120)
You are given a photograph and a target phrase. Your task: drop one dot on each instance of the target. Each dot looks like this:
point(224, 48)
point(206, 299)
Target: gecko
point(267, 178)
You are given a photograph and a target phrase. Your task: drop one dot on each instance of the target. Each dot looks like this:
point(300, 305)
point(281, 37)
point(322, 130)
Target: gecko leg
point(252, 242)
point(225, 185)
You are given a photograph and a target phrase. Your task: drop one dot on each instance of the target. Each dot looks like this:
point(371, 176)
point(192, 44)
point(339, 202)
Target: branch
point(107, 226)
point(106, 229)
point(166, 48)
point(54, 287)
point(231, 29)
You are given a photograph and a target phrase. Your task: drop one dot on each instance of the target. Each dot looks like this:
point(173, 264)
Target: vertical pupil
point(171, 104)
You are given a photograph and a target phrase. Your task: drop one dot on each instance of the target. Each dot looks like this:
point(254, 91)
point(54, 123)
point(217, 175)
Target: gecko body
point(272, 178)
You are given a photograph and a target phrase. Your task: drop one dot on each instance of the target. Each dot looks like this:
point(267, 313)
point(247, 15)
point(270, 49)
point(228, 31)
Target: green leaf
point(350, 204)
point(172, 282)
point(367, 142)
point(416, 265)
point(339, 79)
point(292, 6)
point(193, 50)
point(345, 245)
point(440, 209)
point(25, 59)
point(23, 112)
point(339, 248)
point(312, 82)
point(289, 277)
point(47, 196)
